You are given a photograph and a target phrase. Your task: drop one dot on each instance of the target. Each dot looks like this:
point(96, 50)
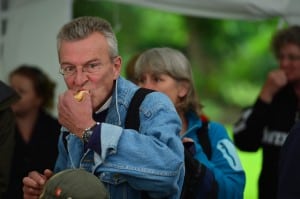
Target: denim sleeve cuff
point(110, 137)
point(94, 142)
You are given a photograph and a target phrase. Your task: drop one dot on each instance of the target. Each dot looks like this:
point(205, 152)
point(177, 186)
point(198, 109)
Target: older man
point(131, 164)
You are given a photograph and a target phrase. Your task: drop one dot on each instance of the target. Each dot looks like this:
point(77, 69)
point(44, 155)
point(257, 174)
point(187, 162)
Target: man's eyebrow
point(89, 61)
point(66, 63)
point(93, 60)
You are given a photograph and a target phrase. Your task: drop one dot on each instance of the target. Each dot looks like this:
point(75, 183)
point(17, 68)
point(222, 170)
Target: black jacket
point(38, 154)
point(289, 166)
point(266, 126)
point(7, 131)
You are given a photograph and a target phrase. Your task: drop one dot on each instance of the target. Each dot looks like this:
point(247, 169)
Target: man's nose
point(80, 77)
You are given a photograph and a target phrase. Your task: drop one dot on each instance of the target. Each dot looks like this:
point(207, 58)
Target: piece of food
point(79, 96)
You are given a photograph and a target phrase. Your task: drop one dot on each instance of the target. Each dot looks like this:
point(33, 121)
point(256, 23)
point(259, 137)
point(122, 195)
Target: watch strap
point(88, 132)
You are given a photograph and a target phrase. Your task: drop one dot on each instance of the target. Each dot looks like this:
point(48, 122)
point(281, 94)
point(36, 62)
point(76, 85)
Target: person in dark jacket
point(267, 123)
point(8, 96)
point(37, 131)
point(289, 164)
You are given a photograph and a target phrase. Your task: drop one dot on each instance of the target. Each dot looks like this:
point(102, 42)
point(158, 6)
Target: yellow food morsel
point(79, 95)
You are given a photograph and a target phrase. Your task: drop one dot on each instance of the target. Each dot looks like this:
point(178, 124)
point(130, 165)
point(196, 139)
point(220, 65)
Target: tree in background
point(230, 58)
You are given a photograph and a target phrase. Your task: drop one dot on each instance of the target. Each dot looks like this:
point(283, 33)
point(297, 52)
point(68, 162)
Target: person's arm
point(276, 80)
point(289, 164)
point(225, 164)
point(152, 159)
point(248, 131)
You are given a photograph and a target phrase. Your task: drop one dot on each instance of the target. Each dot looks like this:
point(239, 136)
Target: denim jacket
point(130, 162)
point(224, 165)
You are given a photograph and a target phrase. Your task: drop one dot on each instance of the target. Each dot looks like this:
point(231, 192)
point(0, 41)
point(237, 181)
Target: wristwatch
point(88, 132)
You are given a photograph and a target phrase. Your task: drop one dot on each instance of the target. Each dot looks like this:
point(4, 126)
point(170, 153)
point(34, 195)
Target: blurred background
point(229, 52)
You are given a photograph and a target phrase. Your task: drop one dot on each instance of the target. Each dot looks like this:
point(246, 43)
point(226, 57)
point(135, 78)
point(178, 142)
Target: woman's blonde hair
point(173, 63)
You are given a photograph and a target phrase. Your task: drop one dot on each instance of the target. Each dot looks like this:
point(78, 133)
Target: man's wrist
point(88, 132)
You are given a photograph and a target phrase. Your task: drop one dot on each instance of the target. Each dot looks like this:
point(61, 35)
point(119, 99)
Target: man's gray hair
point(82, 27)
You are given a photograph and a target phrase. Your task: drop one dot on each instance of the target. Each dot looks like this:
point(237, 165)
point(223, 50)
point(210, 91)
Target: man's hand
point(275, 81)
point(33, 184)
point(74, 115)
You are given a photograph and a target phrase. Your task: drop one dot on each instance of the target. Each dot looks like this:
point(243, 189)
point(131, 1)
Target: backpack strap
point(203, 137)
point(132, 120)
point(199, 181)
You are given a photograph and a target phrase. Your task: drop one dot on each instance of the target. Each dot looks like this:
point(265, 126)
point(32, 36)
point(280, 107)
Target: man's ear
point(117, 62)
point(183, 88)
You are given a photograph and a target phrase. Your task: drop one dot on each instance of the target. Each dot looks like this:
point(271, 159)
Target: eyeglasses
point(92, 67)
point(289, 57)
point(89, 68)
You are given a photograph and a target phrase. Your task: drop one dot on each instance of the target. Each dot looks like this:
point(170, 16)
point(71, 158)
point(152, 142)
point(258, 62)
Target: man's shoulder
point(217, 131)
point(158, 99)
point(124, 90)
point(127, 89)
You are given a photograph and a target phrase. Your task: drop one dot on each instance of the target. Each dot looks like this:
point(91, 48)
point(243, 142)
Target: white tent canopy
point(289, 10)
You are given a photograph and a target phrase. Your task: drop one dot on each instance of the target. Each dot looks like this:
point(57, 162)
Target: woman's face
point(289, 60)
point(29, 100)
point(164, 83)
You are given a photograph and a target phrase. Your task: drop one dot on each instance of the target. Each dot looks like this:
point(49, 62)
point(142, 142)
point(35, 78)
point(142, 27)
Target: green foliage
point(230, 58)
point(241, 94)
point(170, 31)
